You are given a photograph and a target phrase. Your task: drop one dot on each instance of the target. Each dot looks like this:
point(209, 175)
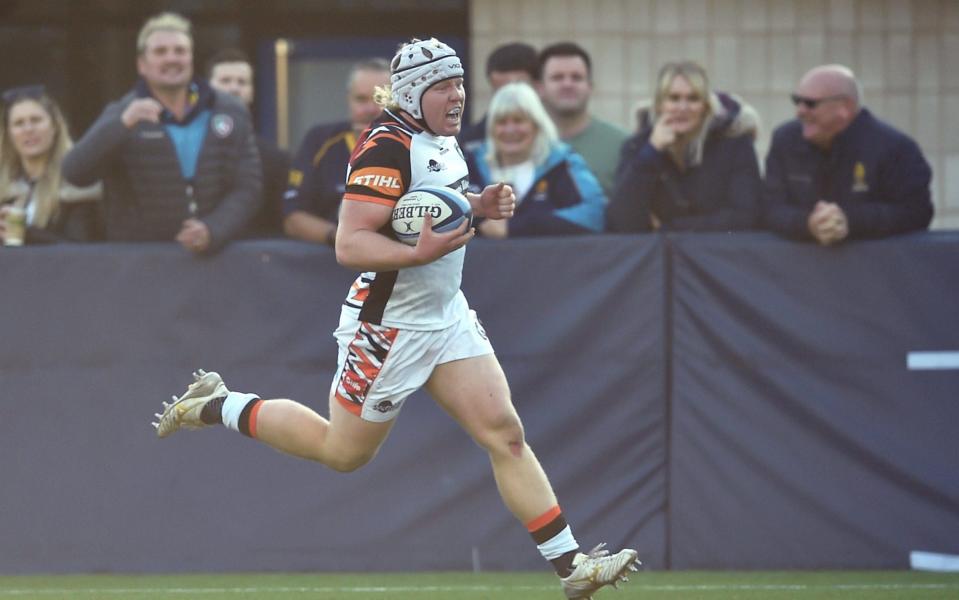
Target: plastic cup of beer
point(16, 226)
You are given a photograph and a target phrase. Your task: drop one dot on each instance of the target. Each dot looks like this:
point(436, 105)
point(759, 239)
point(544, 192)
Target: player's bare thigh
point(350, 441)
point(474, 391)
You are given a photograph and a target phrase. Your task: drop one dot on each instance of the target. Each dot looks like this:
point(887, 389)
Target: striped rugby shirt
point(396, 155)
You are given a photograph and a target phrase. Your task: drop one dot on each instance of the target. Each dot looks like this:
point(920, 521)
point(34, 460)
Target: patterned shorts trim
point(380, 366)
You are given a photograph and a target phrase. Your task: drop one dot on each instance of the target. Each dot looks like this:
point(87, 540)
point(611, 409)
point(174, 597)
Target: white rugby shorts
point(379, 367)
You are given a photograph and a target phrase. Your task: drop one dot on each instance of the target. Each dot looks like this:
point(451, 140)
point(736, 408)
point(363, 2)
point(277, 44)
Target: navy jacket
point(721, 193)
point(876, 174)
point(565, 197)
point(318, 176)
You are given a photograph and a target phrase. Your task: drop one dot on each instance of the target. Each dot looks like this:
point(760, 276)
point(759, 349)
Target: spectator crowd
point(177, 157)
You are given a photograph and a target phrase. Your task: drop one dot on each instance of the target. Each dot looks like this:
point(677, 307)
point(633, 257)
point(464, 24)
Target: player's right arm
point(379, 174)
point(361, 246)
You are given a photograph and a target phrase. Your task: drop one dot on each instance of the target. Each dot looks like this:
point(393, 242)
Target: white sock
point(558, 545)
point(233, 406)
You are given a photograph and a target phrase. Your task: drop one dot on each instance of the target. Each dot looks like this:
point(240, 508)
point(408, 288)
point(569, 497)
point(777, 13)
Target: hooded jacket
point(565, 197)
point(719, 193)
point(149, 189)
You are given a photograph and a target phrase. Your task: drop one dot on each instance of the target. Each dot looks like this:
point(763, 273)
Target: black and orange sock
point(239, 412)
point(247, 422)
point(555, 541)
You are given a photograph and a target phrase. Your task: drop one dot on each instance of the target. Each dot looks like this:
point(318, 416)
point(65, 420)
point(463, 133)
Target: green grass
point(847, 585)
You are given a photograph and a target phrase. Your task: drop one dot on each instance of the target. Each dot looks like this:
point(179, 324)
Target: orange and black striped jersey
point(394, 156)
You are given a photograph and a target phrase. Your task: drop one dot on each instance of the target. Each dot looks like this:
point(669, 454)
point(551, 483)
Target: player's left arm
point(496, 201)
point(361, 245)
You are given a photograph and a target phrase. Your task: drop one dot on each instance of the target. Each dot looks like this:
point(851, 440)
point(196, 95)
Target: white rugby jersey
point(394, 156)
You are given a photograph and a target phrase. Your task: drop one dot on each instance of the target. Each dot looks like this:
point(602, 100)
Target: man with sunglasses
point(178, 160)
point(836, 172)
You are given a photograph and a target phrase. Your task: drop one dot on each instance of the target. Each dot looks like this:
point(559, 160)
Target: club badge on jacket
point(859, 178)
point(222, 125)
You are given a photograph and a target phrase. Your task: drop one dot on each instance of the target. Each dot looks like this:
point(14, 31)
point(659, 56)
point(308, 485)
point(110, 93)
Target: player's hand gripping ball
point(446, 206)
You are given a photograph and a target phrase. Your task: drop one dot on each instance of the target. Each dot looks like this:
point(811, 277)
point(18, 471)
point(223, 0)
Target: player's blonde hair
point(167, 21)
point(383, 96)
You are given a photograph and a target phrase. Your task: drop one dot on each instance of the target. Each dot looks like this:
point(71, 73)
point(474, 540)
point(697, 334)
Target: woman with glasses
point(692, 165)
point(556, 192)
point(33, 139)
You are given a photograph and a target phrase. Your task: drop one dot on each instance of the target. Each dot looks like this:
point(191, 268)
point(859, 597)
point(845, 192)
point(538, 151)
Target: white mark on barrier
point(932, 361)
point(934, 561)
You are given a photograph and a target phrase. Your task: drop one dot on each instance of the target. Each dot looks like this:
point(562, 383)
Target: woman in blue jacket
point(556, 193)
point(692, 166)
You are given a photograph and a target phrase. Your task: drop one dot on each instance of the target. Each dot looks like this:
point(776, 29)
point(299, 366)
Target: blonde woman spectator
point(692, 166)
point(556, 192)
point(34, 138)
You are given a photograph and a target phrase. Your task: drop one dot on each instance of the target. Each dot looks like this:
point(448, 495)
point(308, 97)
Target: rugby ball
point(446, 206)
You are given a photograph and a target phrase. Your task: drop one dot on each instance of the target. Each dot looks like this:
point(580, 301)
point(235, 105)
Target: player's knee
point(504, 433)
point(348, 463)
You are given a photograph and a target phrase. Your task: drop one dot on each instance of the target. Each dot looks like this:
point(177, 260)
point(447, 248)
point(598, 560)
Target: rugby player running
point(406, 324)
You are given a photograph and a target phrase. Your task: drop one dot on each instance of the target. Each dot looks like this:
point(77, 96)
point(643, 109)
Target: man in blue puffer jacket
point(178, 160)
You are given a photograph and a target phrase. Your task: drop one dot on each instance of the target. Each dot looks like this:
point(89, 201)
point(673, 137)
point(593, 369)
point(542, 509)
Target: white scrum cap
point(417, 66)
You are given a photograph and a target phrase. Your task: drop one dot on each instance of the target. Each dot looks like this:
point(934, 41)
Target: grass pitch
point(685, 585)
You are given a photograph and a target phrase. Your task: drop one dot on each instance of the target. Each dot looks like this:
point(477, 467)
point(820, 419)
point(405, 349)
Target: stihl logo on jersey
point(385, 181)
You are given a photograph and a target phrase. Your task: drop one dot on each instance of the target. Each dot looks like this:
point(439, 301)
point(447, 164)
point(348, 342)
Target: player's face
point(234, 78)
point(683, 106)
point(442, 106)
point(31, 129)
point(513, 136)
point(167, 60)
point(565, 87)
point(363, 109)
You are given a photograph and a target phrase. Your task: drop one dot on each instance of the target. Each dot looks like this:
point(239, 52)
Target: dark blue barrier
point(800, 437)
point(95, 337)
point(716, 401)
